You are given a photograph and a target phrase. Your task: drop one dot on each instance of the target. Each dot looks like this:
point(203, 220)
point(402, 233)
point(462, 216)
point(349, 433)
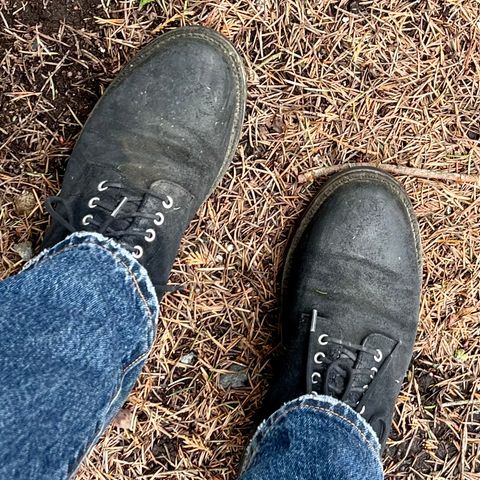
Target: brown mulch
point(330, 82)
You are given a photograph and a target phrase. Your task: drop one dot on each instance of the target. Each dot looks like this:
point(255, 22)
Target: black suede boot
point(350, 297)
point(154, 147)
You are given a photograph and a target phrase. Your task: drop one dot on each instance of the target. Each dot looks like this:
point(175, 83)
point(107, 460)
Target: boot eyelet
point(314, 376)
point(321, 339)
point(87, 219)
point(102, 186)
point(315, 358)
point(161, 219)
point(169, 203)
point(91, 202)
point(378, 357)
point(137, 252)
point(362, 411)
point(150, 237)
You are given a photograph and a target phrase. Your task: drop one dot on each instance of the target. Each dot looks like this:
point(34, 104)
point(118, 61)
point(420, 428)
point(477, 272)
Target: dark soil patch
point(61, 63)
point(53, 67)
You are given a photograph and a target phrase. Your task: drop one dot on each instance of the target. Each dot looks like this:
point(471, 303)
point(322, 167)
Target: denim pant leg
point(313, 438)
point(76, 326)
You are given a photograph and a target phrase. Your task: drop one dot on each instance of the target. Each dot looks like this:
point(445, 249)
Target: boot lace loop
point(107, 226)
point(327, 369)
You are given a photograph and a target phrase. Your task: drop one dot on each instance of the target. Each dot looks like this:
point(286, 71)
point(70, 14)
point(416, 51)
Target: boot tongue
point(341, 368)
point(329, 367)
point(120, 206)
point(364, 361)
point(338, 368)
point(117, 209)
point(114, 200)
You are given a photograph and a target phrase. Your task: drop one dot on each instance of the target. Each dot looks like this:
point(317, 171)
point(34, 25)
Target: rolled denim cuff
point(339, 413)
point(135, 273)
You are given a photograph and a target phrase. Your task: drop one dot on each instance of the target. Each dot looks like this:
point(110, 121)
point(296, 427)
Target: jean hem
point(138, 274)
point(143, 288)
point(323, 405)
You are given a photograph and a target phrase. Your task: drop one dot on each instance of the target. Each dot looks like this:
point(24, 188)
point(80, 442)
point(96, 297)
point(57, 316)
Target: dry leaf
point(124, 419)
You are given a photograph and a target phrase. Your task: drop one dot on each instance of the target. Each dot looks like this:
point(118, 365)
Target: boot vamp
point(358, 265)
point(168, 117)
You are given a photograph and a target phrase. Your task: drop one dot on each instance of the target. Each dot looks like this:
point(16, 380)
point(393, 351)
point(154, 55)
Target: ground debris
point(24, 249)
point(331, 83)
point(123, 419)
point(236, 378)
point(25, 203)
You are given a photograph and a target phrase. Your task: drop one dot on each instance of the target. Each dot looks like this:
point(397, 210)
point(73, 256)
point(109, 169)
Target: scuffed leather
point(173, 115)
point(356, 259)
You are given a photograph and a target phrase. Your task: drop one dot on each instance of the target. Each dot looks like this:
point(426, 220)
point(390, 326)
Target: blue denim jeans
point(313, 438)
point(77, 325)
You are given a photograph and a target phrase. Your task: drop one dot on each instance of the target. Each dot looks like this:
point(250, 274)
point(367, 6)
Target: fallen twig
point(315, 173)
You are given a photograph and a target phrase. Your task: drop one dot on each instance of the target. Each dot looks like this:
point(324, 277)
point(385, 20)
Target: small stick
point(315, 173)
